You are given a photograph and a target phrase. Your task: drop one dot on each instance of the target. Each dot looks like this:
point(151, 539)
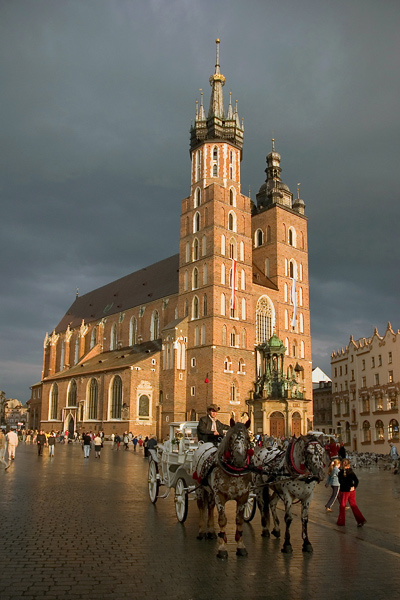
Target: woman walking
point(333, 481)
point(348, 482)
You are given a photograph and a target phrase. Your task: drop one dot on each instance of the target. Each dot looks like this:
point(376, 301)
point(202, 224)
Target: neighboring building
point(217, 322)
point(15, 415)
point(365, 389)
point(322, 401)
point(34, 406)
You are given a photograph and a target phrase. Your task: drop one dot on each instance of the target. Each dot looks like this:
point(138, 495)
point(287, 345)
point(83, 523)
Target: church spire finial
point(217, 81)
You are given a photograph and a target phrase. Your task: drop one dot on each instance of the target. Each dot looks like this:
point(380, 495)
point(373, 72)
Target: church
point(226, 320)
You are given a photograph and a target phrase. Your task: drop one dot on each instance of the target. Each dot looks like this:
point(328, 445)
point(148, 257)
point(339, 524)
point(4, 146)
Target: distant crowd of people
point(89, 440)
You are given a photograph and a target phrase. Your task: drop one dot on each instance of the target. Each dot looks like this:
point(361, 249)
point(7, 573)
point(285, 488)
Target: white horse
point(288, 475)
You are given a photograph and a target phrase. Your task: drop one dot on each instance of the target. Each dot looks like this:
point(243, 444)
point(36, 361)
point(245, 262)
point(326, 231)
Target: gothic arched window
point(265, 316)
point(116, 398)
point(92, 400)
point(154, 331)
point(72, 394)
point(54, 402)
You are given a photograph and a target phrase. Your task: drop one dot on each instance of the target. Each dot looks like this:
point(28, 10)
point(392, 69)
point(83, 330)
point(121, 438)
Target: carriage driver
point(209, 428)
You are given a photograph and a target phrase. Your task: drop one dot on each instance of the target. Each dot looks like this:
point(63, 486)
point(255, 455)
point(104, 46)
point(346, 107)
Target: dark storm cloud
point(97, 99)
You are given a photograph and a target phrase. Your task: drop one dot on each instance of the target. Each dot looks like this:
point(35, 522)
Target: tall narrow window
point(195, 279)
point(205, 275)
point(223, 304)
point(223, 245)
point(54, 402)
point(195, 308)
point(76, 355)
point(71, 399)
point(203, 335)
point(232, 221)
point(132, 331)
point(116, 398)
point(242, 251)
point(223, 274)
point(195, 249)
point(204, 246)
point(205, 305)
point(92, 407)
point(197, 198)
point(224, 335)
point(196, 222)
point(113, 340)
point(154, 328)
point(62, 358)
point(93, 338)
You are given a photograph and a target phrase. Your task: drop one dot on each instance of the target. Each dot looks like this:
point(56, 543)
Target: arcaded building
point(365, 391)
point(225, 320)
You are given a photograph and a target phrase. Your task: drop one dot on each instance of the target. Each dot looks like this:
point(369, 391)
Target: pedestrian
point(348, 482)
point(51, 442)
point(333, 449)
point(3, 450)
point(140, 441)
point(112, 437)
point(145, 442)
point(87, 440)
point(12, 443)
point(135, 443)
point(333, 481)
point(151, 444)
point(394, 457)
point(126, 441)
point(97, 446)
point(342, 451)
point(41, 441)
point(117, 441)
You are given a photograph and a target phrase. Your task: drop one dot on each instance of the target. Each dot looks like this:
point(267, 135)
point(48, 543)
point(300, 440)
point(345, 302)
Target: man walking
point(41, 441)
point(87, 440)
point(12, 443)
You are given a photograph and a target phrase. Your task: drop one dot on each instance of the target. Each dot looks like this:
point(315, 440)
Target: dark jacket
point(204, 431)
point(41, 438)
point(347, 480)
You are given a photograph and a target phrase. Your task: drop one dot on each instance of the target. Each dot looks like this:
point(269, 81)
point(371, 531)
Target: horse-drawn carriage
point(234, 471)
point(171, 466)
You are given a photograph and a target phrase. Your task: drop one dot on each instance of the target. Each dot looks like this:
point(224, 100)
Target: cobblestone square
point(85, 529)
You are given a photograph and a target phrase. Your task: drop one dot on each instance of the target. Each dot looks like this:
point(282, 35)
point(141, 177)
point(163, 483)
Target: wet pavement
point(85, 529)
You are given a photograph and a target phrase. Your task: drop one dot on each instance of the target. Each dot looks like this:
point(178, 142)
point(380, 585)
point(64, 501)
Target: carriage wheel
point(154, 482)
point(250, 509)
point(181, 501)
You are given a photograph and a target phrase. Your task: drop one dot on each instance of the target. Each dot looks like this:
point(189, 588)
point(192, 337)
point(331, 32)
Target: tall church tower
point(215, 261)
point(281, 253)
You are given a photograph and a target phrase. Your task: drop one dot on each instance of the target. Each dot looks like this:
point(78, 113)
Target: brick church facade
point(226, 320)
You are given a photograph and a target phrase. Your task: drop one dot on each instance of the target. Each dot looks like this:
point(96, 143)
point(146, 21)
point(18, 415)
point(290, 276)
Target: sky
point(97, 99)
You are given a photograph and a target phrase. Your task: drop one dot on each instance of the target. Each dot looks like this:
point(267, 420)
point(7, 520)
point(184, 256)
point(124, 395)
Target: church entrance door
point(296, 424)
point(277, 424)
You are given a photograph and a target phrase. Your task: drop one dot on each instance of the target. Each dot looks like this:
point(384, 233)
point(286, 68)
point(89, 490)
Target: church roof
point(157, 281)
point(113, 359)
